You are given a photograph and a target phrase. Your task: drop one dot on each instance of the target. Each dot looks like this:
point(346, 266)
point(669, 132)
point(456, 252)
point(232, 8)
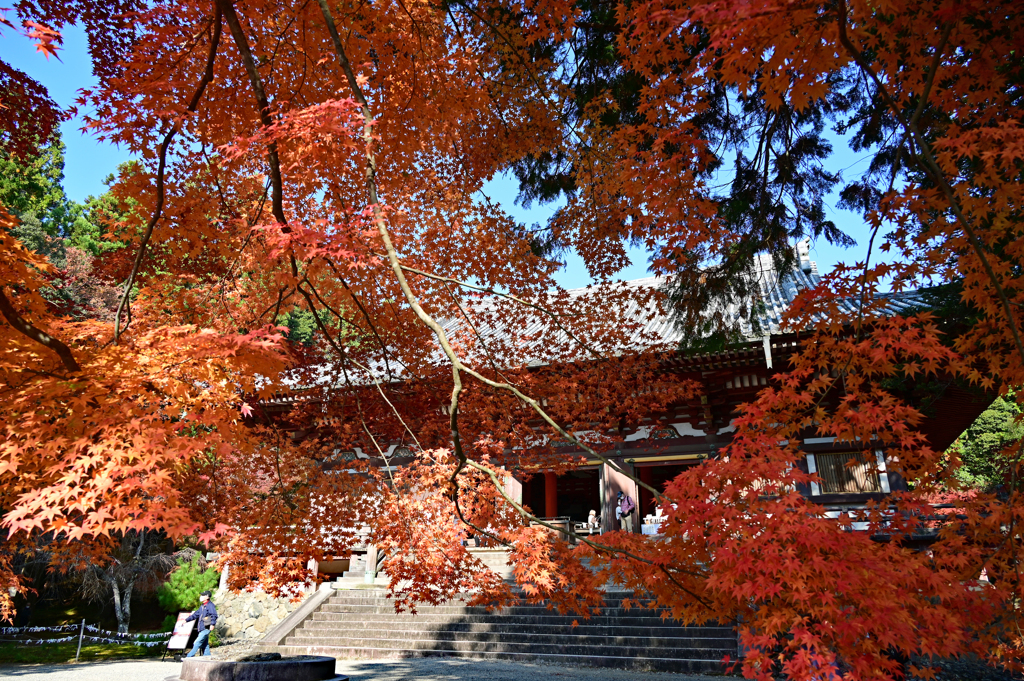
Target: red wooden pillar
point(550, 495)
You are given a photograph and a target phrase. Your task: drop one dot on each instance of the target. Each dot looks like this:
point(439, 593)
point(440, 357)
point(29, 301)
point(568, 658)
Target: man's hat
point(206, 593)
point(620, 494)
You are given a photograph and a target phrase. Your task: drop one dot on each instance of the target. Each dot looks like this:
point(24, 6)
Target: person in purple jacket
point(207, 616)
point(626, 508)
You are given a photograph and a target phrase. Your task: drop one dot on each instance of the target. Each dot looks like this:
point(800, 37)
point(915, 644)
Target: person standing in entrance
point(207, 616)
point(626, 508)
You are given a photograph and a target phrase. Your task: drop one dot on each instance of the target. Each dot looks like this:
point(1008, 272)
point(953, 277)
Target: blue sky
point(89, 160)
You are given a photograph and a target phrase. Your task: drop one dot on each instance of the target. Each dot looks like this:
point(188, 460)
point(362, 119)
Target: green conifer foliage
point(980, 445)
point(189, 579)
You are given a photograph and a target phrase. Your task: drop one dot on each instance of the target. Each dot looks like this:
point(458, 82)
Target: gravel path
point(125, 670)
point(441, 669)
point(416, 669)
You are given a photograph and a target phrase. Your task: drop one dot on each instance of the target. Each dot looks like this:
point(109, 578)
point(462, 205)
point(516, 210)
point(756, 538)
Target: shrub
point(184, 584)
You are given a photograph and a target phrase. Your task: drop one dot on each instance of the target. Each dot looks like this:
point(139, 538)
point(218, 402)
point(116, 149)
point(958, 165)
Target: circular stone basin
point(298, 668)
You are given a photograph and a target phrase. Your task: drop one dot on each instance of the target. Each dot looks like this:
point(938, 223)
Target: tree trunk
point(118, 612)
point(125, 612)
point(126, 608)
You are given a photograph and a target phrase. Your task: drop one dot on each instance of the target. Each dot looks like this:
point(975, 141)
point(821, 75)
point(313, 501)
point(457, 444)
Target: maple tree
point(327, 159)
point(137, 564)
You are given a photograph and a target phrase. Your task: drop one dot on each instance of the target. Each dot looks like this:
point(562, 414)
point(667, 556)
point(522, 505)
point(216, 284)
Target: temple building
point(667, 443)
point(664, 444)
point(655, 451)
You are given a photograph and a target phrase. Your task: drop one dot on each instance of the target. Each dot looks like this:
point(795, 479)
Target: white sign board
point(182, 632)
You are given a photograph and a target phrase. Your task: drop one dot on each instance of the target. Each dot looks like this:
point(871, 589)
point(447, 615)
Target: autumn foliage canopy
point(327, 160)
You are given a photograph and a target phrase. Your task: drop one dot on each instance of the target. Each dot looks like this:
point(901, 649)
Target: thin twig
point(366, 316)
point(124, 304)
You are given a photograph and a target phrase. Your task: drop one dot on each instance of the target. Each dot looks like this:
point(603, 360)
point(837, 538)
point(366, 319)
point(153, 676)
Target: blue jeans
point(202, 643)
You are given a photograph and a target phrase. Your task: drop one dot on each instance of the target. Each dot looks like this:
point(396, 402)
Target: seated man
point(207, 616)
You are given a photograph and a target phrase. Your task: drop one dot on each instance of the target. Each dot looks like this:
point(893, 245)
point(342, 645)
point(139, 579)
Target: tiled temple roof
point(654, 324)
point(648, 319)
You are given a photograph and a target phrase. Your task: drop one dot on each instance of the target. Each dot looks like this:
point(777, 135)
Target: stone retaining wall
point(250, 614)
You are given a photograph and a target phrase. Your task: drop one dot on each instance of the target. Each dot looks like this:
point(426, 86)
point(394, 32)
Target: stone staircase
point(363, 624)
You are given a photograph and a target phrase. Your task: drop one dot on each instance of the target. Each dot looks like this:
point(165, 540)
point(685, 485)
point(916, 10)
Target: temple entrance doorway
point(579, 492)
point(533, 494)
point(657, 476)
point(572, 495)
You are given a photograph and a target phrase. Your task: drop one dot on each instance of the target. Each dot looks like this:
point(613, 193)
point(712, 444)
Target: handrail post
point(81, 632)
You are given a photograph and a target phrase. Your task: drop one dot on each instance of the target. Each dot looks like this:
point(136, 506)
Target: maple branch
point(39, 336)
point(387, 461)
point(276, 307)
point(248, 237)
point(345, 357)
point(476, 332)
point(536, 406)
point(160, 192)
point(219, 285)
point(36, 372)
point(342, 319)
point(397, 268)
point(483, 289)
point(273, 159)
point(931, 168)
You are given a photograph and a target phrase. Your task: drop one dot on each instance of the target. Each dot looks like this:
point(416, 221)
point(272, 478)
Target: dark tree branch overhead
point(273, 159)
point(207, 78)
point(39, 336)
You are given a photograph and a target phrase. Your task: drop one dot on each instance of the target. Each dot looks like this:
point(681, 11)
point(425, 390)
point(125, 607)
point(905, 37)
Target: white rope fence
point(36, 630)
point(125, 636)
point(107, 636)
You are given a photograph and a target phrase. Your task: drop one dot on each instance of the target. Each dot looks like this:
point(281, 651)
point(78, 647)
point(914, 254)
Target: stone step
point(413, 624)
point(378, 595)
point(336, 636)
point(666, 664)
point(610, 592)
point(363, 623)
point(576, 649)
point(521, 620)
point(520, 610)
point(358, 585)
point(353, 600)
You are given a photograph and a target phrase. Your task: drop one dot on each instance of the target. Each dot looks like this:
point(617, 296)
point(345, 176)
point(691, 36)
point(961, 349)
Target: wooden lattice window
point(848, 472)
